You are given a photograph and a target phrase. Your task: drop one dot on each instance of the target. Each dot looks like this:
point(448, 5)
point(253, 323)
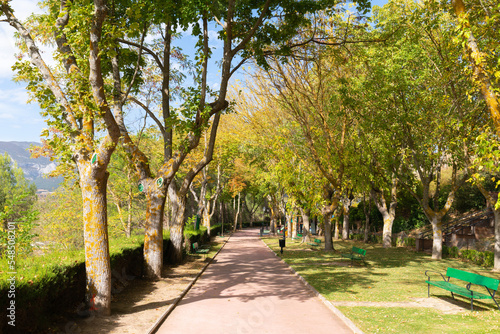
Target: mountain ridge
point(35, 170)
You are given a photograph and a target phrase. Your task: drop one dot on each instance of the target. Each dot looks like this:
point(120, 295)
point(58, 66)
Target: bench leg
point(452, 295)
point(428, 290)
point(471, 304)
point(496, 303)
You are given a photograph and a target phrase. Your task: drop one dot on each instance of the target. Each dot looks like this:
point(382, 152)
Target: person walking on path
point(247, 289)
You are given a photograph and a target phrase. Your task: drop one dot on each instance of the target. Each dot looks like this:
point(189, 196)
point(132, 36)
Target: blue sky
point(20, 121)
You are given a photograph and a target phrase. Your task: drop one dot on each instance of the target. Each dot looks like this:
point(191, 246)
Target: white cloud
point(213, 40)
point(12, 94)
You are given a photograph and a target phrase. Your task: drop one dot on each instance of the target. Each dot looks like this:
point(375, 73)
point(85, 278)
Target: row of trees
point(118, 54)
point(357, 108)
point(399, 101)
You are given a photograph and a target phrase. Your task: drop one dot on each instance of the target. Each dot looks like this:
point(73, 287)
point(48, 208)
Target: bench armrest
point(435, 272)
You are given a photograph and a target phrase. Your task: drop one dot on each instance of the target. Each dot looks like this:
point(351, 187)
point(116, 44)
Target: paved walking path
point(247, 289)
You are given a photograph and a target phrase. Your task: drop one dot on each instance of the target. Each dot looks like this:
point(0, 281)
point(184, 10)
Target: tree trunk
point(437, 236)
point(367, 211)
point(239, 211)
point(337, 228)
point(206, 218)
point(272, 225)
point(289, 224)
point(346, 205)
point(496, 264)
point(97, 263)
point(388, 214)
point(153, 231)
point(492, 199)
point(296, 227)
point(387, 230)
point(237, 215)
point(327, 216)
point(177, 224)
point(305, 224)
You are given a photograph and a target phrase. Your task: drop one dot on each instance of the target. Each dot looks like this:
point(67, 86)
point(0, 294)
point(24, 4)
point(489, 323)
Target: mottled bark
point(346, 205)
point(327, 218)
point(496, 264)
point(237, 214)
point(289, 227)
point(337, 228)
point(93, 183)
point(295, 227)
point(176, 224)
point(153, 231)
point(437, 237)
point(388, 212)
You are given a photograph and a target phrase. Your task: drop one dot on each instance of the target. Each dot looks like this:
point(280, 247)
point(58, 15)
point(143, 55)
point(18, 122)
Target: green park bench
point(316, 242)
point(200, 250)
point(356, 254)
point(490, 284)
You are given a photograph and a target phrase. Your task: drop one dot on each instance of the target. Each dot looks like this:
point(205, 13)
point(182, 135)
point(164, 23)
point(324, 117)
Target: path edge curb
point(170, 309)
point(327, 303)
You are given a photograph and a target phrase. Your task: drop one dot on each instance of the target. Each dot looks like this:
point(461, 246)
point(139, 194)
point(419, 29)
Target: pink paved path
point(247, 289)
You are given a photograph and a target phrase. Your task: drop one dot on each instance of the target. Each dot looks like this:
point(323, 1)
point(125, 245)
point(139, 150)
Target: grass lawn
point(389, 275)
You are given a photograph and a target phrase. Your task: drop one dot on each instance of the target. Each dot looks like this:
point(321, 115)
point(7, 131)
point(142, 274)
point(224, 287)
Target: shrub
point(409, 242)
point(357, 236)
point(376, 239)
point(484, 259)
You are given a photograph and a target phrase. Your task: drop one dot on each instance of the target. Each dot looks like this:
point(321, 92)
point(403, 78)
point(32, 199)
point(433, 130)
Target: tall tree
point(484, 165)
point(246, 29)
point(431, 120)
point(82, 129)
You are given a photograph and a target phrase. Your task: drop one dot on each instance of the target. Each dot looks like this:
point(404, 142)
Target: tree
point(312, 96)
point(485, 164)
point(82, 129)
point(431, 120)
point(244, 28)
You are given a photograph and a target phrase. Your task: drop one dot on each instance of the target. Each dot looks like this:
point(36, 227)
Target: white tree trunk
point(496, 265)
point(437, 236)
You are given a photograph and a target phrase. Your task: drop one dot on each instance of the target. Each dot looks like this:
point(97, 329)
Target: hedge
point(55, 283)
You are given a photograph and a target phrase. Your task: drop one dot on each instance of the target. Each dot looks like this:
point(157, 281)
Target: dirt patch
point(137, 303)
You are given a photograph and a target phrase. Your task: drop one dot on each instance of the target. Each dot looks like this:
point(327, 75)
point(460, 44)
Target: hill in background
point(34, 169)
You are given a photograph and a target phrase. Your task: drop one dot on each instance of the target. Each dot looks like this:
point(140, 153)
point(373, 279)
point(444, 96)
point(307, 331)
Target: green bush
point(55, 282)
point(375, 239)
point(409, 242)
point(450, 252)
point(485, 259)
point(357, 236)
